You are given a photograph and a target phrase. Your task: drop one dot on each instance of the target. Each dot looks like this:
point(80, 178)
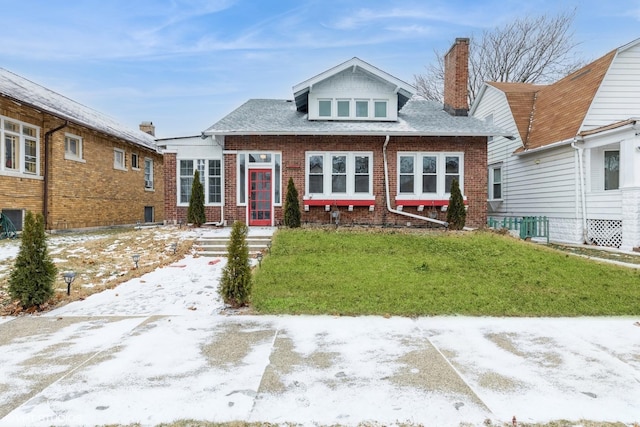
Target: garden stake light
point(136, 258)
point(259, 257)
point(68, 278)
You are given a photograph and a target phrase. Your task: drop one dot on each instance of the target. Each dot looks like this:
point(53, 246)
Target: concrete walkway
point(160, 348)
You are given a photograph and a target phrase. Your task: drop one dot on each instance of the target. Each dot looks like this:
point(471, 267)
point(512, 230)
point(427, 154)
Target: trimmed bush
point(33, 275)
point(195, 213)
point(456, 213)
point(292, 206)
point(235, 286)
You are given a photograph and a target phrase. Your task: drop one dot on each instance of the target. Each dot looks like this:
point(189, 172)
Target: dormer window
point(353, 109)
point(343, 108)
point(324, 108)
point(353, 90)
point(362, 109)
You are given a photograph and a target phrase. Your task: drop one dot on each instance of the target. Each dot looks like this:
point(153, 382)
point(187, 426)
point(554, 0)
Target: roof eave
point(80, 123)
point(350, 133)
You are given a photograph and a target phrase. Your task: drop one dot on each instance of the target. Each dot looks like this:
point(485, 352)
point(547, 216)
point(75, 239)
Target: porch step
point(216, 246)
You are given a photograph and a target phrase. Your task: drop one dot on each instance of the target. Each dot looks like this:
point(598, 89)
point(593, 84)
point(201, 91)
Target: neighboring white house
point(575, 157)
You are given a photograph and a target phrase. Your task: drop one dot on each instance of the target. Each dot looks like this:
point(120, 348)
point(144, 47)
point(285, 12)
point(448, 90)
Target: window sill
point(151, 190)
point(339, 202)
point(120, 169)
point(75, 159)
point(425, 202)
point(17, 174)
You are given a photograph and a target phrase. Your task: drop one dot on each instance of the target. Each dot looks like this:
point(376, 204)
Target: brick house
point(76, 166)
point(360, 147)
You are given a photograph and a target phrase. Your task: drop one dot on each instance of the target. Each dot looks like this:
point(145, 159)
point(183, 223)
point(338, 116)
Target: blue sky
point(185, 64)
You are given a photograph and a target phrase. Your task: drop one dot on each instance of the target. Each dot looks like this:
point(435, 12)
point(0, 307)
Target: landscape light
point(68, 278)
point(259, 257)
point(136, 258)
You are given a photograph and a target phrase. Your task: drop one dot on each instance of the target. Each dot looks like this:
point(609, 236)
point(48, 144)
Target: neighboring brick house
point(575, 157)
point(358, 144)
point(76, 166)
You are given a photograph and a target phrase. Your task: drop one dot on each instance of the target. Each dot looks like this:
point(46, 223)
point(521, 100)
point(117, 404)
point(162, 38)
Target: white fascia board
point(352, 63)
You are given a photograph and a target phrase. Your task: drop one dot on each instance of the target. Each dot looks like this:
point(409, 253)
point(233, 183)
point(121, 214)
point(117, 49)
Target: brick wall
point(456, 77)
point(175, 214)
point(293, 150)
point(83, 194)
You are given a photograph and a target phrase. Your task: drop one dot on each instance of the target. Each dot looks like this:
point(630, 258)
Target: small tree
point(456, 213)
point(235, 286)
point(195, 213)
point(33, 275)
point(292, 206)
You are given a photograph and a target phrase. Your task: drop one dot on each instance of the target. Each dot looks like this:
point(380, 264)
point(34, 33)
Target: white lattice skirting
point(604, 232)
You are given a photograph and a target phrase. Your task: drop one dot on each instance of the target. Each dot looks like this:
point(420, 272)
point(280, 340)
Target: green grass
point(387, 272)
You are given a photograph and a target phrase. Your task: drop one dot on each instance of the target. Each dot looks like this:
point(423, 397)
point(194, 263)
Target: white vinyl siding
point(618, 97)
point(543, 183)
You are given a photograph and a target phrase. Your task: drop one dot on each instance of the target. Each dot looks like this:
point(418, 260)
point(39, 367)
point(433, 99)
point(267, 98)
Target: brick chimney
point(148, 127)
point(456, 78)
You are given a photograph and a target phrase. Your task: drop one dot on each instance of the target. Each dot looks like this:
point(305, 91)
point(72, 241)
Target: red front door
point(260, 197)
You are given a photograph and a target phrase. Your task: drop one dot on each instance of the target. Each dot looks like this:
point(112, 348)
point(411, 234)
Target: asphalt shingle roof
point(28, 92)
point(545, 114)
point(418, 117)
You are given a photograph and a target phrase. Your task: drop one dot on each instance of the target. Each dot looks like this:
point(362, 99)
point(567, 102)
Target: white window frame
point(135, 161)
point(343, 101)
point(493, 183)
point(327, 174)
point(202, 166)
point(331, 109)
point(353, 109)
point(604, 169)
point(20, 135)
point(148, 173)
point(119, 159)
point(366, 102)
point(418, 193)
point(273, 161)
point(68, 154)
point(386, 108)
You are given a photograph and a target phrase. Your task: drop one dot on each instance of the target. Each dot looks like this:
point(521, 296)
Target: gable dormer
point(352, 91)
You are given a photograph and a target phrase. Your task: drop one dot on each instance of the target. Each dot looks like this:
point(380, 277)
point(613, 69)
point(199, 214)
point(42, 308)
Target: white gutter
point(547, 147)
point(580, 151)
point(386, 188)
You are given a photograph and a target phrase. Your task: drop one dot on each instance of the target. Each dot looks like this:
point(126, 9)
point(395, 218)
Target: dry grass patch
point(101, 260)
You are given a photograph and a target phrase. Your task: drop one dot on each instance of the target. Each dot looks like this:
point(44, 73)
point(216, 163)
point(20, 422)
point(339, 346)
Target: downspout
point(580, 151)
point(386, 188)
point(45, 201)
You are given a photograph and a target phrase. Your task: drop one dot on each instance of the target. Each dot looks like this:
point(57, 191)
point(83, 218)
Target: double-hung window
point(118, 159)
point(20, 147)
point(135, 161)
point(11, 146)
point(148, 173)
point(210, 172)
point(429, 175)
point(340, 174)
point(215, 181)
point(495, 182)
point(72, 147)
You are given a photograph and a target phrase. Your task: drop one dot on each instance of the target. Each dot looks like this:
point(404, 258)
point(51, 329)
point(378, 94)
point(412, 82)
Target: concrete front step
point(217, 246)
